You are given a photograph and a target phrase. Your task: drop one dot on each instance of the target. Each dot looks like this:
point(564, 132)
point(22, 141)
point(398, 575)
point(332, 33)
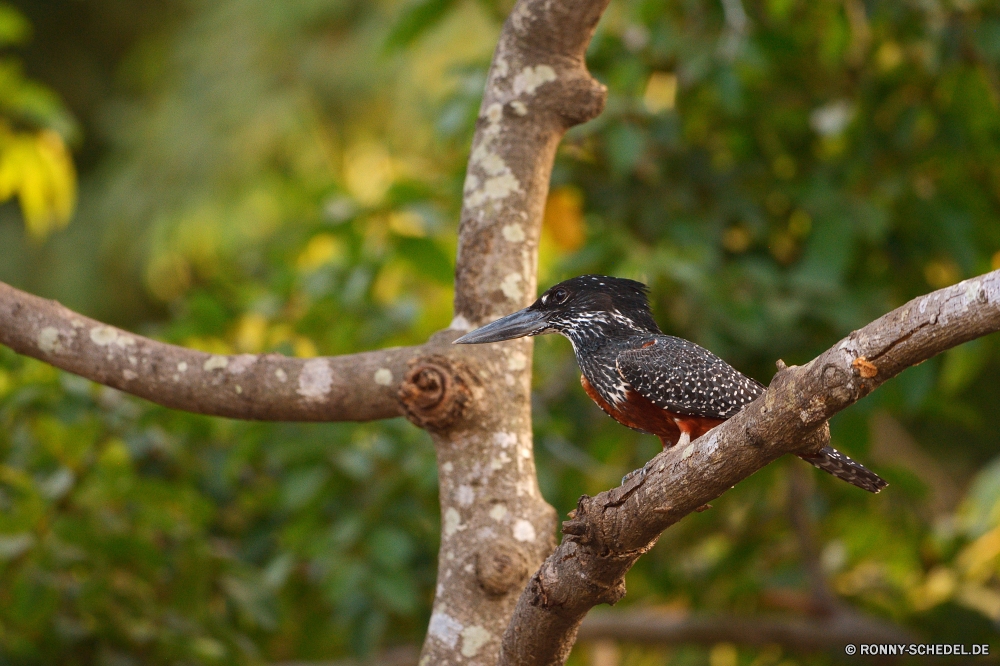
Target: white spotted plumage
point(620, 348)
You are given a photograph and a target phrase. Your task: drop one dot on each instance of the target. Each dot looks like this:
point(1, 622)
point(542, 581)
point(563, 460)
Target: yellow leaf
point(39, 170)
point(388, 285)
point(981, 558)
point(661, 92)
point(250, 333)
point(321, 249)
point(564, 218)
point(303, 347)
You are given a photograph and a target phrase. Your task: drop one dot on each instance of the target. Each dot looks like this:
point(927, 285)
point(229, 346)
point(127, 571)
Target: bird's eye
point(559, 296)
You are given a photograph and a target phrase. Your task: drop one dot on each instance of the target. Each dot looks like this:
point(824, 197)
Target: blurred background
point(251, 176)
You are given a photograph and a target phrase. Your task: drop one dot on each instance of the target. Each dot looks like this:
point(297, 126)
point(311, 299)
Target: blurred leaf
point(15, 545)
point(961, 366)
point(625, 148)
point(302, 486)
point(14, 28)
point(418, 18)
point(427, 258)
point(564, 218)
point(38, 169)
point(981, 510)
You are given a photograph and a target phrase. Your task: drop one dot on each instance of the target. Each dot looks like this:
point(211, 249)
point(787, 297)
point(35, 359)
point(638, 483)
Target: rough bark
point(474, 401)
point(270, 387)
point(496, 526)
point(608, 533)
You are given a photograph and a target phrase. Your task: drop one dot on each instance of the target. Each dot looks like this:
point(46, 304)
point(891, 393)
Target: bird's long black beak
point(521, 323)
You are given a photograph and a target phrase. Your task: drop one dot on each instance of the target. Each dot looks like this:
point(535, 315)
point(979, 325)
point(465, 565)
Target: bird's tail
point(834, 462)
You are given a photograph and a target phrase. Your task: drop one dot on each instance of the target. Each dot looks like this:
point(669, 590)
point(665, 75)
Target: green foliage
point(289, 182)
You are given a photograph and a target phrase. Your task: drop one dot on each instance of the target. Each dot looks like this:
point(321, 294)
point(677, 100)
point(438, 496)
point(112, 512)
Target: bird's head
point(579, 308)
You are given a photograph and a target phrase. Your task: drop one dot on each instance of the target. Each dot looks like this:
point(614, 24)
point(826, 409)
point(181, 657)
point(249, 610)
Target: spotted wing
point(686, 379)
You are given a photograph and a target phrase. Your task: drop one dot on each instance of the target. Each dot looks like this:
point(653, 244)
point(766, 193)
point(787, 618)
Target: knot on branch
point(581, 99)
point(579, 527)
point(501, 569)
point(434, 392)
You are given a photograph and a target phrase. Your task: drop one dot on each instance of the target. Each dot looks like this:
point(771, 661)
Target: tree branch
point(608, 533)
point(475, 402)
point(496, 526)
point(272, 387)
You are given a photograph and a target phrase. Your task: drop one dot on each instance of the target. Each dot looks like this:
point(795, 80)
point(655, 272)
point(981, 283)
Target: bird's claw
point(641, 472)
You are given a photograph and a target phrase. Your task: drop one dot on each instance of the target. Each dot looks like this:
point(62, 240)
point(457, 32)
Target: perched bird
point(648, 381)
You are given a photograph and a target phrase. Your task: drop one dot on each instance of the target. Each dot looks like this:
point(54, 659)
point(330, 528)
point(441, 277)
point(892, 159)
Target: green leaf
point(415, 21)
point(14, 28)
point(301, 486)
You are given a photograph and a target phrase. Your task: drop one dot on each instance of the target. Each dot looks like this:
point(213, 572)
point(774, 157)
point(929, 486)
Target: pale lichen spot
point(493, 164)
point(132, 359)
point(215, 362)
point(471, 182)
point(476, 199)
point(182, 366)
point(383, 377)
point(712, 444)
point(513, 233)
point(473, 638)
point(972, 293)
point(509, 379)
point(239, 389)
point(498, 187)
point(48, 340)
point(77, 323)
point(494, 112)
point(465, 495)
point(444, 628)
point(460, 323)
point(501, 67)
point(129, 375)
point(241, 363)
point(500, 460)
point(452, 521)
point(519, 107)
point(505, 439)
point(281, 375)
point(528, 80)
point(511, 286)
point(688, 450)
point(523, 530)
point(498, 512)
point(103, 335)
point(315, 379)
point(447, 468)
point(517, 361)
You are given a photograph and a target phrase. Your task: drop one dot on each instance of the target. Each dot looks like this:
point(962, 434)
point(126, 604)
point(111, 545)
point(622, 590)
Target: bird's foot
point(684, 439)
point(641, 472)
